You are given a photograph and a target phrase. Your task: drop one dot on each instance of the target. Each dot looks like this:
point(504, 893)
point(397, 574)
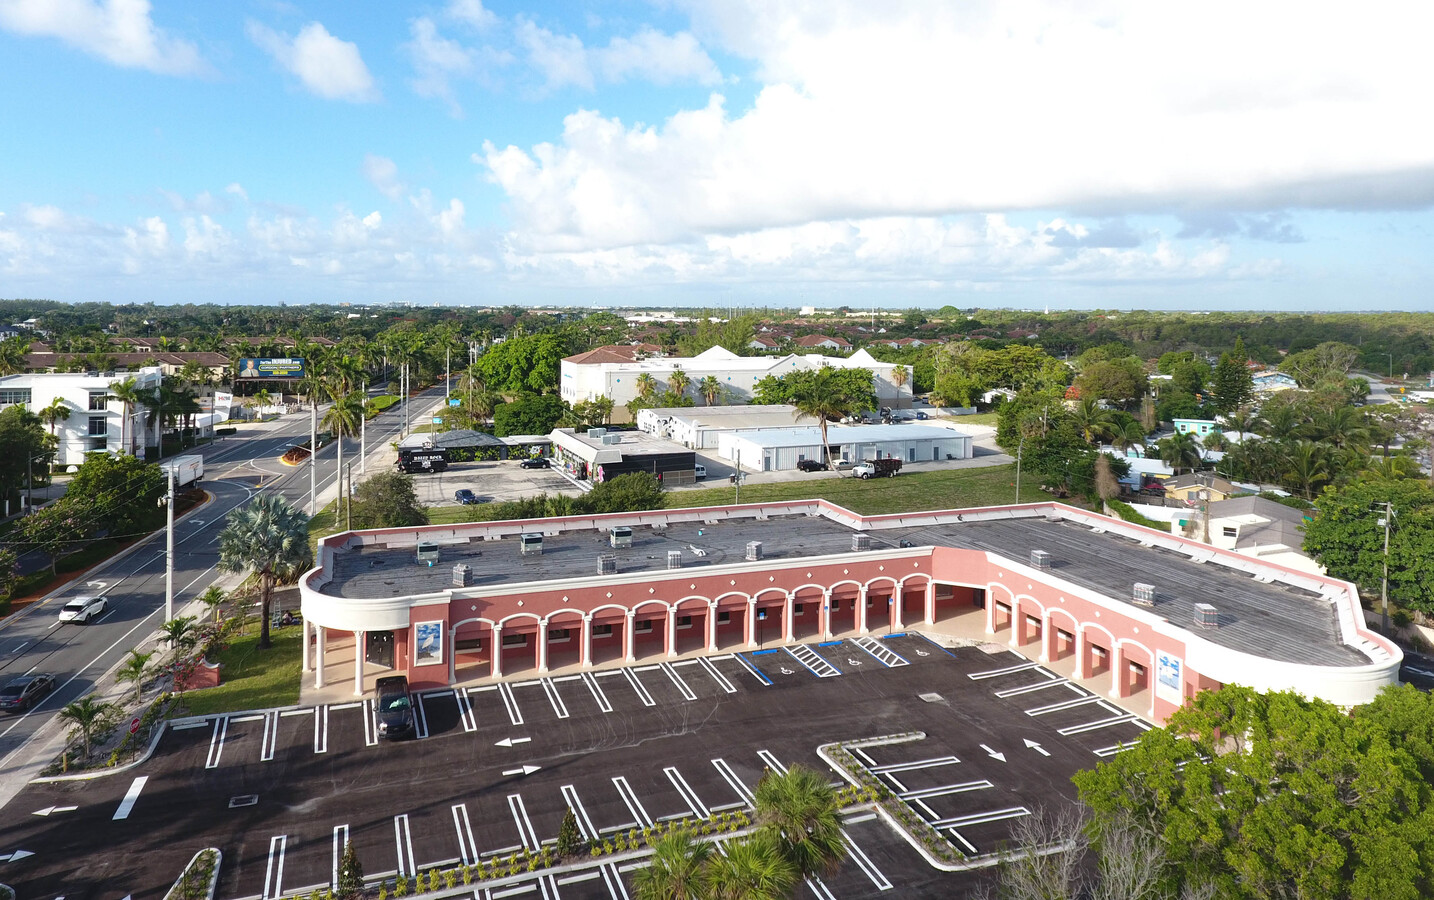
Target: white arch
point(851, 581)
point(915, 576)
point(453, 628)
point(1075, 623)
point(770, 590)
point(1010, 594)
point(662, 603)
point(597, 609)
point(1098, 627)
point(537, 620)
point(894, 581)
point(562, 612)
point(1134, 643)
point(1022, 598)
point(707, 602)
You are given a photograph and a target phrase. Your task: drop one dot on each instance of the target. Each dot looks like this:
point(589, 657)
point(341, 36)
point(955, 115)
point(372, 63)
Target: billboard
point(287, 367)
point(1168, 680)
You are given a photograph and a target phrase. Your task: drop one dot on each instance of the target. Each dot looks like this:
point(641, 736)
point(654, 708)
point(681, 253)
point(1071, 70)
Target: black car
point(465, 496)
point(535, 462)
point(24, 691)
point(811, 465)
point(395, 708)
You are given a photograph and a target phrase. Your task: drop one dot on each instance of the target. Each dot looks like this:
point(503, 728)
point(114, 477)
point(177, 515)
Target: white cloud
point(237, 190)
point(382, 173)
point(327, 66)
point(205, 237)
point(45, 217)
point(372, 220)
point(153, 240)
point(450, 220)
point(651, 55)
point(931, 109)
point(436, 62)
point(472, 13)
point(118, 31)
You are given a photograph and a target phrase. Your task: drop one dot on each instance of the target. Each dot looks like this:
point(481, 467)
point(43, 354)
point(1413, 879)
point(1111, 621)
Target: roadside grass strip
point(813, 661)
point(884, 655)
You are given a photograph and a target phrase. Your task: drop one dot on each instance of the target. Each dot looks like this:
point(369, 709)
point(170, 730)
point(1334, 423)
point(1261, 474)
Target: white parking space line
point(350, 705)
point(270, 742)
point(731, 778)
point(585, 824)
point(1026, 689)
point(689, 796)
point(615, 888)
point(274, 871)
point(813, 661)
point(717, 676)
point(254, 717)
point(677, 680)
point(465, 710)
point(420, 719)
point(820, 889)
point(1111, 751)
point(515, 715)
point(915, 764)
point(551, 690)
point(597, 692)
point(970, 847)
point(321, 729)
point(997, 673)
point(1064, 704)
point(772, 762)
point(216, 742)
point(341, 838)
point(753, 669)
point(995, 815)
point(403, 841)
point(515, 891)
point(864, 863)
point(467, 849)
point(636, 683)
point(881, 653)
point(945, 789)
point(370, 724)
point(1095, 726)
point(634, 805)
point(526, 834)
point(130, 796)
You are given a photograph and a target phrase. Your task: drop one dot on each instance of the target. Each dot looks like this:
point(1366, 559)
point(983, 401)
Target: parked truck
point(873, 468)
point(188, 469)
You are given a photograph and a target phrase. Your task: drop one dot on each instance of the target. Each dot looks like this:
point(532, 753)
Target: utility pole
point(169, 552)
point(1384, 581)
point(349, 498)
point(363, 432)
point(447, 373)
point(313, 455)
point(1019, 449)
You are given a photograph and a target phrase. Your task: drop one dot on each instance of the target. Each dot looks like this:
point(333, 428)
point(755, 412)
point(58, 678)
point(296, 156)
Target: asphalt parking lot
point(495, 767)
point(490, 481)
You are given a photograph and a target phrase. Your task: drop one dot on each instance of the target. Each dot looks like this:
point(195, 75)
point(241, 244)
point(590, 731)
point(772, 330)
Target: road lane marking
point(915, 764)
point(420, 719)
point(808, 657)
point(465, 711)
point(634, 805)
point(732, 779)
point(270, 741)
point(321, 729)
point(130, 796)
point(1028, 688)
point(515, 715)
point(995, 815)
point(216, 742)
point(403, 840)
point(882, 654)
point(753, 669)
point(370, 723)
point(615, 888)
point(1009, 670)
point(1063, 705)
point(945, 789)
point(274, 871)
point(585, 824)
point(772, 762)
point(1093, 726)
point(864, 863)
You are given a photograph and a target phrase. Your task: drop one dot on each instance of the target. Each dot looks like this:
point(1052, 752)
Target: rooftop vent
point(428, 552)
point(619, 536)
point(860, 542)
point(1205, 616)
point(1145, 595)
point(1040, 559)
point(674, 559)
point(754, 550)
point(531, 544)
point(659, 526)
point(610, 439)
point(596, 433)
point(607, 565)
point(462, 575)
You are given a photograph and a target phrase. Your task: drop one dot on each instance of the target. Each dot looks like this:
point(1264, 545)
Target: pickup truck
point(873, 468)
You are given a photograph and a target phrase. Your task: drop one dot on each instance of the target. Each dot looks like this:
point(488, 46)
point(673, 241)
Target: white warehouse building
point(780, 449)
point(96, 420)
point(592, 375)
point(699, 427)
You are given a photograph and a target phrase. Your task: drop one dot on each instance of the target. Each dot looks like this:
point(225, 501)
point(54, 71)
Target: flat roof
point(808, 435)
point(1277, 621)
point(629, 443)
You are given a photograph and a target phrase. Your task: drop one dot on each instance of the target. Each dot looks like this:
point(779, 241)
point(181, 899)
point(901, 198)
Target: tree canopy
point(387, 500)
point(1347, 539)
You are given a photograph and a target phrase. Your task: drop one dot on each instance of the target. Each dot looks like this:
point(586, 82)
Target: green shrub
point(1127, 513)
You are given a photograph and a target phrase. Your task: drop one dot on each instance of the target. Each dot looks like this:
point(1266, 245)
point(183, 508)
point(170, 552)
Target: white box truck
point(188, 469)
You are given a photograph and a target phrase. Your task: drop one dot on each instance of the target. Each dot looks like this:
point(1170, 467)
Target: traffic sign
point(134, 725)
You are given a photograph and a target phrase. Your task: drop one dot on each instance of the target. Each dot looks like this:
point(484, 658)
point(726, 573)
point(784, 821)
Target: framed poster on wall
point(1169, 678)
point(429, 648)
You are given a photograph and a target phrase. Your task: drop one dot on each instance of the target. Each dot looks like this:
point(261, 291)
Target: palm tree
point(899, 376)
point(646, 386)
point(800, 810)
point(1131, 434)
point(12, 355)
point(272, 538)
point(1283, 423)
point(1306, 465)
point(128, 393)
point(1180, 451)
point(1342, 427)
point(57, 411)
point(678, 381)
point(1245, 421)
point(343, 418)
point(1092, 421)
point(87, 719)
point(213, 599)
point(710, 388)
point(1392, 468)
point(135, 669)
point(180, 633)
point(676, 870)
point(754, 869)
point(824, 397)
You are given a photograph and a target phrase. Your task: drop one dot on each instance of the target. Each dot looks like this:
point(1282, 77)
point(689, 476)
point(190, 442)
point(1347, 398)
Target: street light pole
point(349, 498)
point(169, 552)
point(1019, 449)
point(1384, 581)
point(363, 432)
point(313, 455)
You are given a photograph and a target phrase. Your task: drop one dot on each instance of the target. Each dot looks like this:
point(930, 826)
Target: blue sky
point(1102, 154)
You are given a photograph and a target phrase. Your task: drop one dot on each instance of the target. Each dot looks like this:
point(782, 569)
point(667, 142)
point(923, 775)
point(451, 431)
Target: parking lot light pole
point(169, 551)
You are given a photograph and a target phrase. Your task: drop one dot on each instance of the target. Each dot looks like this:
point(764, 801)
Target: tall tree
point(271, 538)
point(1232, 385)
point(678, 381)
point(710, 387)
point(128, 394)
point(676, 870)
point(1180, 451)
point(829, 395)
point(799, 809)
point(87, 719)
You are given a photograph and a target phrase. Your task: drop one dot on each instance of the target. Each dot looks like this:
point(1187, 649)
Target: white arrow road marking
point(130, 797)
point(508, 742)
point(54, 809)
point(17, 855)
point(993, 754)
point(525, 770)
point(1037, 747)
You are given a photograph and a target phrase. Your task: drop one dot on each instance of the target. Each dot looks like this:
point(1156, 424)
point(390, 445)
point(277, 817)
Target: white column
point(319, 641)
point(930, 603)
point(751, 621)
point(1047, 639)
point(304, 632)
point(1118, 674)
point(896, 602)
point(671, 632)
point(990, 612)
point(860, 620)
point(629, 636)
point(496, 666)
point(826, 614)
point(1082, 666)
point(712, 626)
point(1018, 625)
point(452, 654)
point(788, 614)
point(358, 663)
point(542, 646)
point(587, 649)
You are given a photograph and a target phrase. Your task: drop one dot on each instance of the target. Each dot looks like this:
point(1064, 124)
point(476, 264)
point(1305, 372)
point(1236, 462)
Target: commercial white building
point(780, 449)
point(96, 421)
point(698, 427)
point(617, 378)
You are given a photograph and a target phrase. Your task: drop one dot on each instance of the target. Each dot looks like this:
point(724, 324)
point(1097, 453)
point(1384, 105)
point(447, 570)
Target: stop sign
point(134, 725)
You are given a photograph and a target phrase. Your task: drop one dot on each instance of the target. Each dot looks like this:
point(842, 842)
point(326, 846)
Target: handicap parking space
point(916, 648)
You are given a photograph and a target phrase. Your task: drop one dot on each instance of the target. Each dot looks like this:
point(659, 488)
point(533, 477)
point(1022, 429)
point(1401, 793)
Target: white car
point(699, 471)
point(83, 609)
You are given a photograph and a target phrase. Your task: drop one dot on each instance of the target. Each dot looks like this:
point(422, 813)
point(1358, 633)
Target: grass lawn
point(447, 515)
point(950, 489)
point(992, 419)
point(253, 678)
point(323, 523)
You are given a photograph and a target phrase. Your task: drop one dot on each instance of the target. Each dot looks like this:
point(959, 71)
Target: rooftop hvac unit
point(1040, 559)
point(462, 575)
point(428, 553)
point(531, 545)
point(1205, 616)
point(607, 565)
point(610, 439)
point(754, 550)
point(596, 433)
point(1145, 595)
point(674, 559)
point(659, 526)
point(619, 536)
point(860, 542)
